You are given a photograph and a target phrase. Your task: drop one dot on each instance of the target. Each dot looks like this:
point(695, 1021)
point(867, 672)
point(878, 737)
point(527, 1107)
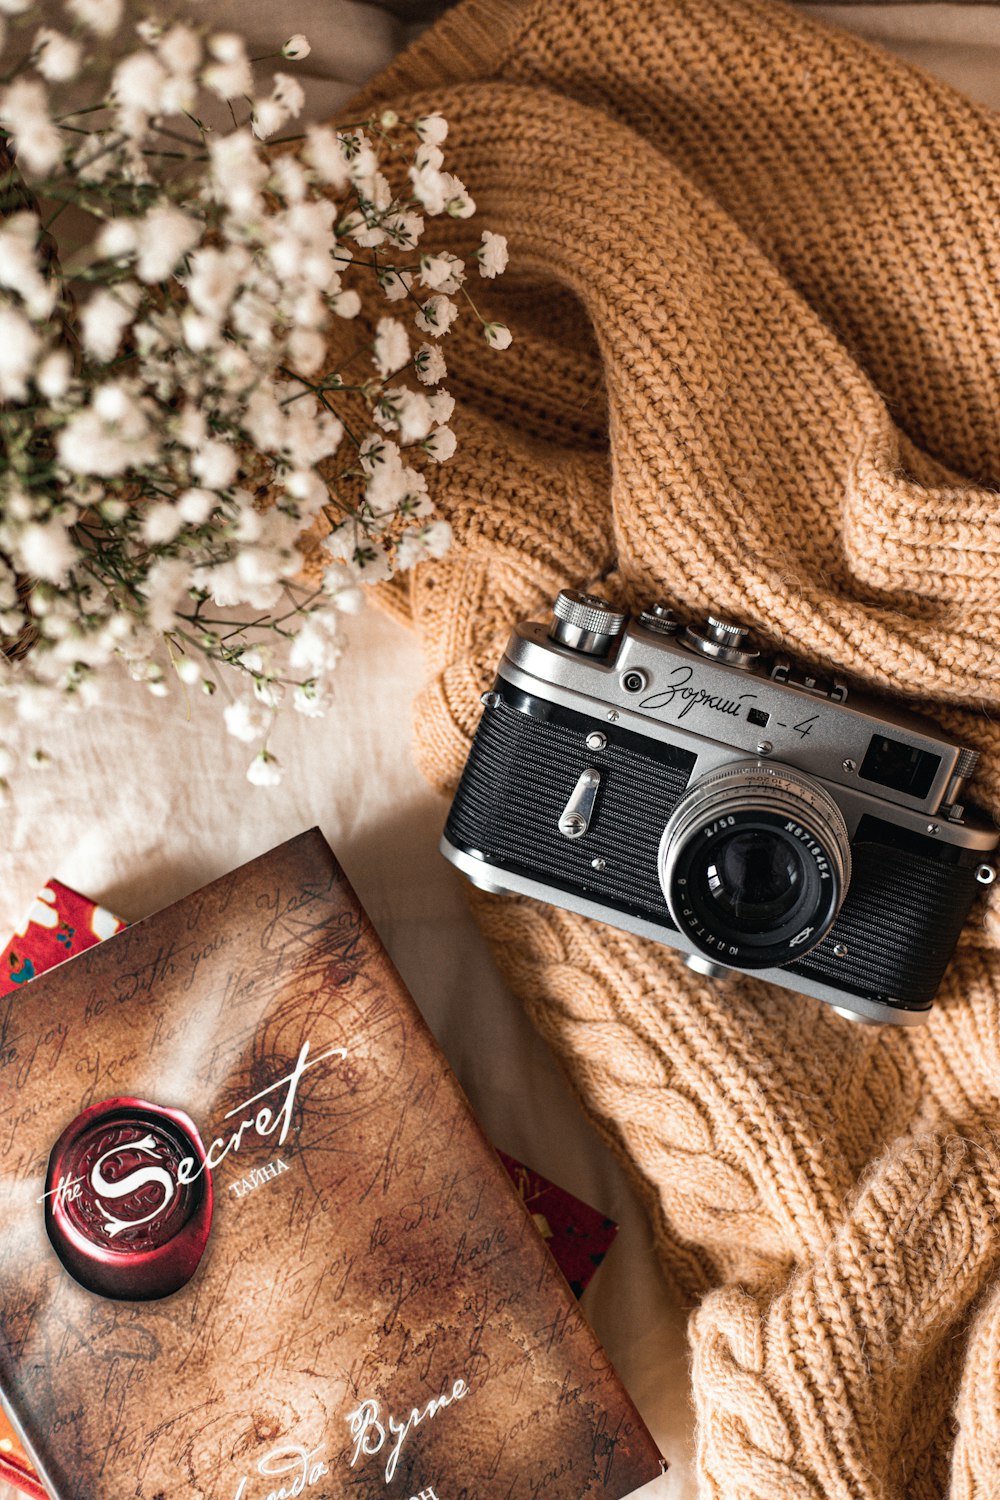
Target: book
point(254, 1244)
point(59, 923)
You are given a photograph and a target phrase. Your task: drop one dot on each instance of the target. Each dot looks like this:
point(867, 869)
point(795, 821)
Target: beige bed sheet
point(147, 799)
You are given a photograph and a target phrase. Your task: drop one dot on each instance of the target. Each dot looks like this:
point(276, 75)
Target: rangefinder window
point(901, 767)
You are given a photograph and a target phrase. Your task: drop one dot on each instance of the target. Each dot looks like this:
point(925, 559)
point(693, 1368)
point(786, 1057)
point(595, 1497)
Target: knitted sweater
point(755, 295)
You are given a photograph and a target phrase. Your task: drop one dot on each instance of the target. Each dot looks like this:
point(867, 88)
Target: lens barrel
point(754, 862)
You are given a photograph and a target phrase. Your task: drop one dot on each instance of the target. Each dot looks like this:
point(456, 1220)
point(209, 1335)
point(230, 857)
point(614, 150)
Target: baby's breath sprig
point(173, 433)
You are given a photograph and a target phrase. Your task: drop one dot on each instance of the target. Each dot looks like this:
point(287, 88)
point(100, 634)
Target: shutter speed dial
point(586, 623)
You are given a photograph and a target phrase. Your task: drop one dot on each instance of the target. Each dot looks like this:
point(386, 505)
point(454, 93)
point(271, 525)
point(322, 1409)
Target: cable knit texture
point(755, 293)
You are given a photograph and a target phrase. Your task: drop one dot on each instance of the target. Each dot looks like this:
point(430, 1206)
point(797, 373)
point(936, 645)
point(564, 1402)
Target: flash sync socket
point(754, 863)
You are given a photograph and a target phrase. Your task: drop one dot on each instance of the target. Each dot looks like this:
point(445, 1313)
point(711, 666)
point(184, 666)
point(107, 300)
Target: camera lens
point(754, 878)
point(755, 862)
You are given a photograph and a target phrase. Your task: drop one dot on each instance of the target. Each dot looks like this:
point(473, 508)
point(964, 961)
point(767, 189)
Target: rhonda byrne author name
point(301, 1468)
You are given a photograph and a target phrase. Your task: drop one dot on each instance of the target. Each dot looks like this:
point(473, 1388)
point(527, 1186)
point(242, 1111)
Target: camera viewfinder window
point(901, 767)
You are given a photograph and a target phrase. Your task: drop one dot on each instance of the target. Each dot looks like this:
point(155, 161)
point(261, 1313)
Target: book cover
point(253, 1243)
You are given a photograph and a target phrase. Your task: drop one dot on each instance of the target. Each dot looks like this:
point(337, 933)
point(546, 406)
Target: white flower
point(403, 229)
point(53, 374)
point(296, 47)
point(341, 589)
point(436, 316)
point(408, 410)
point(367, 235)
point(137, 82)
point(246, 719)
point(291, 179)
point(422, 543)
point(180, 50)
point(386, 487)
point(492, 254)
point(164, 235)
point(19, 348)
point(289, 93)
point(214, 279)
point(442, 273)
point(230, 75)
point(311, 433)
point(307, 490)
point(286, 101)
point(19, 266)
point(199, 333)
point(307, 350)
point(264, 770)
point(367, 560)
point(24, 112)
point(56, 57)
point(238, 172)
point(441, 444)
point(166, 581)
point(161, 523)
point(429, 364)
point(109, 436)
point(363, 162)
point(267, 691)
point(427, 179)
point(308, 700)
point(442, 405)
point(325, 154)
point(93, 161)
point(315, 650)
point(187, 670)
point(117, 239)
point(45, 550)
point(267, 117)
point(105, 318)
point(15, 7)
point(216, 465)
point(392, 347)
point(195, 506)
point(377, 452)
point(346, 304)
point(191, 427)
point(497, 335)
point(432, 129)
point(395, 284)
point(458, 203)
point(102, 16)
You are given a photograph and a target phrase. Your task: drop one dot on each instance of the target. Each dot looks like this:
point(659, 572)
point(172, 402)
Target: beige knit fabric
point(755, 291)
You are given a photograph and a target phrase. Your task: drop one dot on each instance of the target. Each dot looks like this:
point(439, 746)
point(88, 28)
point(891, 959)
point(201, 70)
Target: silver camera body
point(676, 782)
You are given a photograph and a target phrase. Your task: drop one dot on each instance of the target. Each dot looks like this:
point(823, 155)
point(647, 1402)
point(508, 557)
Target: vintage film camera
point(673, 781)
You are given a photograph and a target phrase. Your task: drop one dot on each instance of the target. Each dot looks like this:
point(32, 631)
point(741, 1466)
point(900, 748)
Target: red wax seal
point(128, 1199)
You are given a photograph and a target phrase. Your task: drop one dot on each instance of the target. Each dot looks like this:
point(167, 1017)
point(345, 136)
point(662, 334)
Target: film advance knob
point(585, 622)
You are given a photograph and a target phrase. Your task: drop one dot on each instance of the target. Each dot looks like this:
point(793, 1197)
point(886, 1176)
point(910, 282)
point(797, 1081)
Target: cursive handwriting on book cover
point(369, 1313)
